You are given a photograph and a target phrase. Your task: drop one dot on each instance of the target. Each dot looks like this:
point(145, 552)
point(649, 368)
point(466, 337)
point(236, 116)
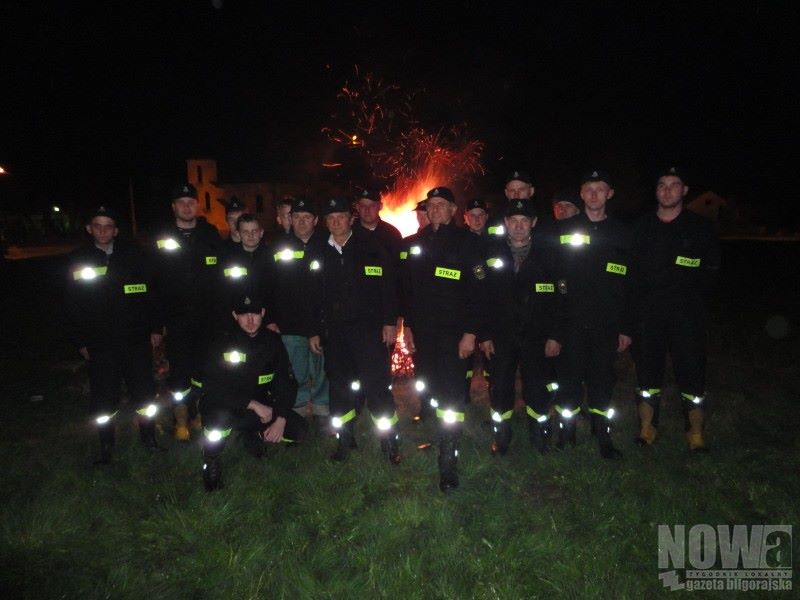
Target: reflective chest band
point(167, 244)
point(211, 260)
point(575, 239)
point(235, 357)
point(135, 288)
point(615, 268)
point(683, 261)
point(447, 273)
point(496, 230)
point(288, 254)
point(235, 272)
point(264, 379)
point(372, 271)
point(89, 273)
point(495, 263)
point(545, 288)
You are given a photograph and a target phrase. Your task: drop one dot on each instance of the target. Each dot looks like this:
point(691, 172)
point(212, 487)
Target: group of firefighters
point(258, 334)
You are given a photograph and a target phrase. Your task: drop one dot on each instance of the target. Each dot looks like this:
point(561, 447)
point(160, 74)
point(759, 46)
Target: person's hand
point(274, 327)
point(408, 338)
point(466, 346)
point(84, 352)
point(155, 340)
point(315, 344)
point(274, 433)
point(552, 348)
point(624, 342)
point(389, 335)
point(487, 347)
point(263, 411)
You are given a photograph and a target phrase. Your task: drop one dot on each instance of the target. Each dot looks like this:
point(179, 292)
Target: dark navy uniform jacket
point(239, 368)
point(109, 296)
point(596, 271)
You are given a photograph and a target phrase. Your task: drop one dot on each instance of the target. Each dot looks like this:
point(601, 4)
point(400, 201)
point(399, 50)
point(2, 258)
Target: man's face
point(339, 223)
point(284, 218)
point(595, 194)
point(476, 219)
point(422, 218)
point(251, 233)
point(303, 224)
point(519, 227)
point(564, 209)
point(518, 190)
point(670, 191)
point(185, 209)
point(440, 210)
point(368, 211)
point(103, 230)
point(250, 323)
point(231, 218)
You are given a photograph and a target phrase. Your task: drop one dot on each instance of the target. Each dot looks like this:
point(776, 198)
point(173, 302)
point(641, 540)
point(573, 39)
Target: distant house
point(259, 198)
point(710, 205)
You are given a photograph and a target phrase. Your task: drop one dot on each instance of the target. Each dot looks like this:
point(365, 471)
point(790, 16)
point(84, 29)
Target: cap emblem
point(595, 174)
point(247, 301)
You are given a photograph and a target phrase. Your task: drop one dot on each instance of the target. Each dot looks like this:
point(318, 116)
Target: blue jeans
point(309, 371)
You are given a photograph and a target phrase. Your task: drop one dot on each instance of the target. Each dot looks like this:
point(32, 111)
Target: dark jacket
point(109, 296)
point(242, 272)
point(595, 272)
point(676, 262)
point(262, 373)
point(355, 288)
point(444, 274)
point(527, 304)
point(288, 282)
point(186, 276)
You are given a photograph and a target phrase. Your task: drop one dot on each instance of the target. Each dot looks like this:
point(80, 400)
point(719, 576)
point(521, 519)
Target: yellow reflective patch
point(575, 239)
point(447, 273)
point(211, 260)
point(262, 379)
point(687, 262)
point(135, 288)
point(234, 357)
point(89, 273)
point(545, 288)
point(615, 268)
point(196, 383)
point(373, 271)
point(235, 272)
point(403, 255)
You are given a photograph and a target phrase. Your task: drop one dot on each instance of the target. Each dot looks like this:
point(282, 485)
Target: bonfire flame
point(376, 119)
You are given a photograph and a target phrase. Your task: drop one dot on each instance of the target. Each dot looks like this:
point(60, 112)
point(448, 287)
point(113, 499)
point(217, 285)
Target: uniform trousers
point(114, 361)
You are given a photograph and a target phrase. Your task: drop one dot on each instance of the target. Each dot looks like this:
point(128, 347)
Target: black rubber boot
point(147, 434)
point(602, 426)
point(252, 443)
point(448, 462)
point(106, 435)
point(346, 441)
point(502, 437)
point(540, 434)
point(566, 432)
point(390, 446)
point(212, 471)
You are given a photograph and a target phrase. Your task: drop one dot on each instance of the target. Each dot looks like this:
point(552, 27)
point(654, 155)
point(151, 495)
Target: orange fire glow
point(399, 204)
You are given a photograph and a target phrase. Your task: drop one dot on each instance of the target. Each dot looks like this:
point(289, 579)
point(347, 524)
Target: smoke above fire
point(376, 121)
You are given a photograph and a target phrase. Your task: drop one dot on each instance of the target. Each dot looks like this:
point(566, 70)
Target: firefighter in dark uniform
point(595, 270)
point(233, 210)
point(112, 320)
point(186, 255)
point(248, 386)
point(243, 268)
point(443, 272)
point(368, 206)
point(288, 287)
point(677, 258)
point(353, 317)
point(476, 216)
point(527, 326)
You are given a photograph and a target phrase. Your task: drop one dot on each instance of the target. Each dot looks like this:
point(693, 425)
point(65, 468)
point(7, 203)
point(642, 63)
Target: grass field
point(295, 525)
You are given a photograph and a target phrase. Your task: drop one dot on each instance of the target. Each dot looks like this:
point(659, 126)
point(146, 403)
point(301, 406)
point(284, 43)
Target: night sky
point(91, 96)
